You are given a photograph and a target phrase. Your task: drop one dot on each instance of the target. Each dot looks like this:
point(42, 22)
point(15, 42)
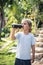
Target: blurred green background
point(13, 11)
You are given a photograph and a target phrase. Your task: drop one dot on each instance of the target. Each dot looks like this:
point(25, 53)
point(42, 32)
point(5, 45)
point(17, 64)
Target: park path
point(6, 43)
point(39, 49)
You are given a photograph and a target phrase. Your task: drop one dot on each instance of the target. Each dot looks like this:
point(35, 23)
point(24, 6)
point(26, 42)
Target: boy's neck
point(26, 32)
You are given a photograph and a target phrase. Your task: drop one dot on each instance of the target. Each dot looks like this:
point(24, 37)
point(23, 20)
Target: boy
point(26, 41)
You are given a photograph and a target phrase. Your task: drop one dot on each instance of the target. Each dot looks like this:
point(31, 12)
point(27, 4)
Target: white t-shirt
point(24, 45)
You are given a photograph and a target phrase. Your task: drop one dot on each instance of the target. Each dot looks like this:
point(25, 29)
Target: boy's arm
point(12, 37)
point(33, 53)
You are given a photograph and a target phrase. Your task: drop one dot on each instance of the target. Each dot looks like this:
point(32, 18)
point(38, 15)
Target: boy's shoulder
point(31, 34)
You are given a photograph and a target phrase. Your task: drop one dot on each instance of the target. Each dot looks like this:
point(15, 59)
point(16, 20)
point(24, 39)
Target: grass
point(2, 43)
point(7, 58)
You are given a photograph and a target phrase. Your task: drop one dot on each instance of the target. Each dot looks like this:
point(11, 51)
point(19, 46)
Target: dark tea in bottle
point(17, 25)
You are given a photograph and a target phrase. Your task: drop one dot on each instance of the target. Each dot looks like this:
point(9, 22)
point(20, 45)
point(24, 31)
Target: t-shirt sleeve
point(33, 40)
point(17, 35)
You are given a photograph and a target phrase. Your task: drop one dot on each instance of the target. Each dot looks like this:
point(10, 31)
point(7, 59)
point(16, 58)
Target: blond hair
point(29, 21)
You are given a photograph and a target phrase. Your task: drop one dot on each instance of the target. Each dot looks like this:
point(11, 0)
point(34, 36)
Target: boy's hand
point(32, 61)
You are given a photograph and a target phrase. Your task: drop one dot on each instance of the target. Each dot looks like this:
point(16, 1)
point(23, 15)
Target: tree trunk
point(2, 18)
point(2, 21)
point(0, 25)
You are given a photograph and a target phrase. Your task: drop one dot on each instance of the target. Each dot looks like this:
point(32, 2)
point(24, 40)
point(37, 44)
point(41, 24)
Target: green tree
point(16, 10)
point(3, 4)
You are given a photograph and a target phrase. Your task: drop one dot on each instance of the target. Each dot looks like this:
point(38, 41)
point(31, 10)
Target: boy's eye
point(24, 23)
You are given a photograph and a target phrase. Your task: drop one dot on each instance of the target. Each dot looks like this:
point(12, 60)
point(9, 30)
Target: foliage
point(7, 59)
point(15, 10)
point(5, 32)
point(2, 43)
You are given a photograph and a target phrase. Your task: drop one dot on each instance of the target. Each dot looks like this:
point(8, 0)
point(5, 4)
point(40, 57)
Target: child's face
point(25, 25)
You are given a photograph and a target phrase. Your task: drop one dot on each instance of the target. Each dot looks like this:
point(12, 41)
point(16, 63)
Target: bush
point(5, 32)
point(2, 34)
